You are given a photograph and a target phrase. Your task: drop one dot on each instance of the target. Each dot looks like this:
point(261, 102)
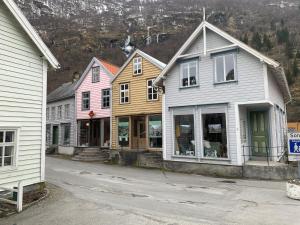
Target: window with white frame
point(214, 135)
point(7, 147)
point(188, 74)
point(96, 74)
point(152, 92)
point(124, 93)
point(137, 66)
point(47, 114)
point(105, 98)
point(86, 100)
point(53, 112)
point(59, 112)
point(225, 68)
point(67, 111)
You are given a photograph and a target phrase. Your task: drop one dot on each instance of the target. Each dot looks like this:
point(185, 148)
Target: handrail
point(19, 201)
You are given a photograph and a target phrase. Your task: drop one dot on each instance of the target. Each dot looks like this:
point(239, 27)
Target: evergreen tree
point(298, 54)
point(282, 36)
point(289, 77)
point(245, 39)
point(256, 41)
point(295, 69)
point(289, 49)
point(267, 43)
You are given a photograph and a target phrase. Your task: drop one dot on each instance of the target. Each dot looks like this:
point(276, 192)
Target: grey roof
point(66, 90)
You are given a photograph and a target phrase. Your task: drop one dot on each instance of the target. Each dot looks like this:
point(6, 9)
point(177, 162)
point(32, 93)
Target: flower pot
point(293, 189)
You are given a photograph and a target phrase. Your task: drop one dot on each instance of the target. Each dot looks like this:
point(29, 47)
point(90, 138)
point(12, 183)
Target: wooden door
point(259, 133)
point(141, 134)
point(55, 135)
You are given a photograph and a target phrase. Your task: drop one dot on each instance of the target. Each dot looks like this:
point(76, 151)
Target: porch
point(262, 133)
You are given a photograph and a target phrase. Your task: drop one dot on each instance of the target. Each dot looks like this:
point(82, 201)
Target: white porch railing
point(19, 191)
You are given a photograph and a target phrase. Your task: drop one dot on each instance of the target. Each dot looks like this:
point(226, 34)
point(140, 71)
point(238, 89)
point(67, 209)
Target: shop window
point(184, 135)
point(123, 132)
point(214, 135)
point(155, 131)
point(84, 127)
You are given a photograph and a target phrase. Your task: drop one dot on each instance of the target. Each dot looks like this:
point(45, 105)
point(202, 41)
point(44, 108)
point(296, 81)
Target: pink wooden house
point(93, 104)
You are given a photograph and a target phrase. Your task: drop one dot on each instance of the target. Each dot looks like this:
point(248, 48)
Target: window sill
point(215, 159)
point(184, 156)
point(192, 86)
point(225, 82)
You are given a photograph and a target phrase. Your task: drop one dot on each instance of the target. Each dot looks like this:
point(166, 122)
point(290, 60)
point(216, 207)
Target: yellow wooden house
point(136, 105)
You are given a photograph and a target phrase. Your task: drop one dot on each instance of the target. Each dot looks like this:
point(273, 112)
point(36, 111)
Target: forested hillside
point(78, 30)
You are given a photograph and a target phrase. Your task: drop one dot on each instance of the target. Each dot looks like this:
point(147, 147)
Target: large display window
point(155, 131)
point(123, 132)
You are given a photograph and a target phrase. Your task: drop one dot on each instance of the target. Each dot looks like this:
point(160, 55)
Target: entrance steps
point(92, 154)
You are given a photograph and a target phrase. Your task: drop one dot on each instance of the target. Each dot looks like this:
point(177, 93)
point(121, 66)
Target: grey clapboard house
point(24, 61)
point(61, 130)
point(224, 102)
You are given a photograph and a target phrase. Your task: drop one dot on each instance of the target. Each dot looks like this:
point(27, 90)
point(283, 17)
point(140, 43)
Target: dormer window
point(137, 66)
point(96, 74)
point(225, 68)
point(188, 74)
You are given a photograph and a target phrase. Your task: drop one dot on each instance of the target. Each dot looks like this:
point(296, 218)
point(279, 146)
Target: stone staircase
point(92, 154)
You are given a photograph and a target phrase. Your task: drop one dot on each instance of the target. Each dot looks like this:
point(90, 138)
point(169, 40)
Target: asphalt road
point(92, 194)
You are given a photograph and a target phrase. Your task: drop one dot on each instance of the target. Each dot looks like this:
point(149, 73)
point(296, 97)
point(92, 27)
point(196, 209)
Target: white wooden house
point(24, 60)
point(224, 102)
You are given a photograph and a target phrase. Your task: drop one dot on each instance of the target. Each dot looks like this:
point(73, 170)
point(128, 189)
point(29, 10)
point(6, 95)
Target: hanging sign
point(91, 114)
point(294, 146)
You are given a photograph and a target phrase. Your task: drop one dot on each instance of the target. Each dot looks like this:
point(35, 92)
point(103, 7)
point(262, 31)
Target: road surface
point(92, 194)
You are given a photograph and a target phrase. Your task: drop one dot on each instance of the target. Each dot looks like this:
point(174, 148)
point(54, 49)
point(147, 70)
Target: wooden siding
point(138, 100)
point(21, 98)
point(71, 120)
point(95, 90)
point(250, 86)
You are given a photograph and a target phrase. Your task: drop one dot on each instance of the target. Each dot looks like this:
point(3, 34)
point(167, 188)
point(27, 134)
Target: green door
point(55, 135)
point(259, 133)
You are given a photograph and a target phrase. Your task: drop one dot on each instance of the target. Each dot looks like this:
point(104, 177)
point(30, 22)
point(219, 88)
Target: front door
point(55, 135)
point(139, 132)
point(259, 133)
point(94, 133)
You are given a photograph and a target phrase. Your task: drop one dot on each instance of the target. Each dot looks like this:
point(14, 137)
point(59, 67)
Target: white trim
point(137, 62)
point(149, 58)
point(204, 41)
point(238, 135)
point(164, 127)
point(31, 32)
point(44, 106)
point(266, 81)
point(124, 91)
point(255, 102)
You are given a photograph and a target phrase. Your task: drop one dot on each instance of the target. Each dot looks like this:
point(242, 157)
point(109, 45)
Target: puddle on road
point(84, 172)
point(139, 196)
point(228, 181)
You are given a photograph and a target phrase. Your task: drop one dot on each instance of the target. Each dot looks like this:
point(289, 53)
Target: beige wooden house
point(136, 105)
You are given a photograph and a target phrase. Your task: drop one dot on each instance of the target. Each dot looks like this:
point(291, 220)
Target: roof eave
point(30, 31)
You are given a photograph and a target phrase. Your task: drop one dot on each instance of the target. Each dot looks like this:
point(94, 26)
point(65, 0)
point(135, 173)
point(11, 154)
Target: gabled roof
point(151, 59)
point(110, 69)
point(113, 69)
point(65, 91)
point(206, 25)
point(30, 31)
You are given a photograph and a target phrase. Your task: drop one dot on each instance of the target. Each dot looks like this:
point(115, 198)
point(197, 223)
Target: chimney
point(76, 77)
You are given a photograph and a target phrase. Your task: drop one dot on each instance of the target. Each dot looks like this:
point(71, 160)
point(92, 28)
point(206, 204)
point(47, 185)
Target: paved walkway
point(92, 194)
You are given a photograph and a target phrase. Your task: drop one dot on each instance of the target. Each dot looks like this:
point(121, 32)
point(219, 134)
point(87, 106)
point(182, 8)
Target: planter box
point(293, 189)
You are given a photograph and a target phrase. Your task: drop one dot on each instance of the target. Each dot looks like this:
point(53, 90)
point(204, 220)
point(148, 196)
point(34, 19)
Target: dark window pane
point(1, 136)
point(9, 151)
point(9, 136)
point(7, 161)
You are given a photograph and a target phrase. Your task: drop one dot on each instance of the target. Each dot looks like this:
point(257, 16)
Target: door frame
point(268, 124)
